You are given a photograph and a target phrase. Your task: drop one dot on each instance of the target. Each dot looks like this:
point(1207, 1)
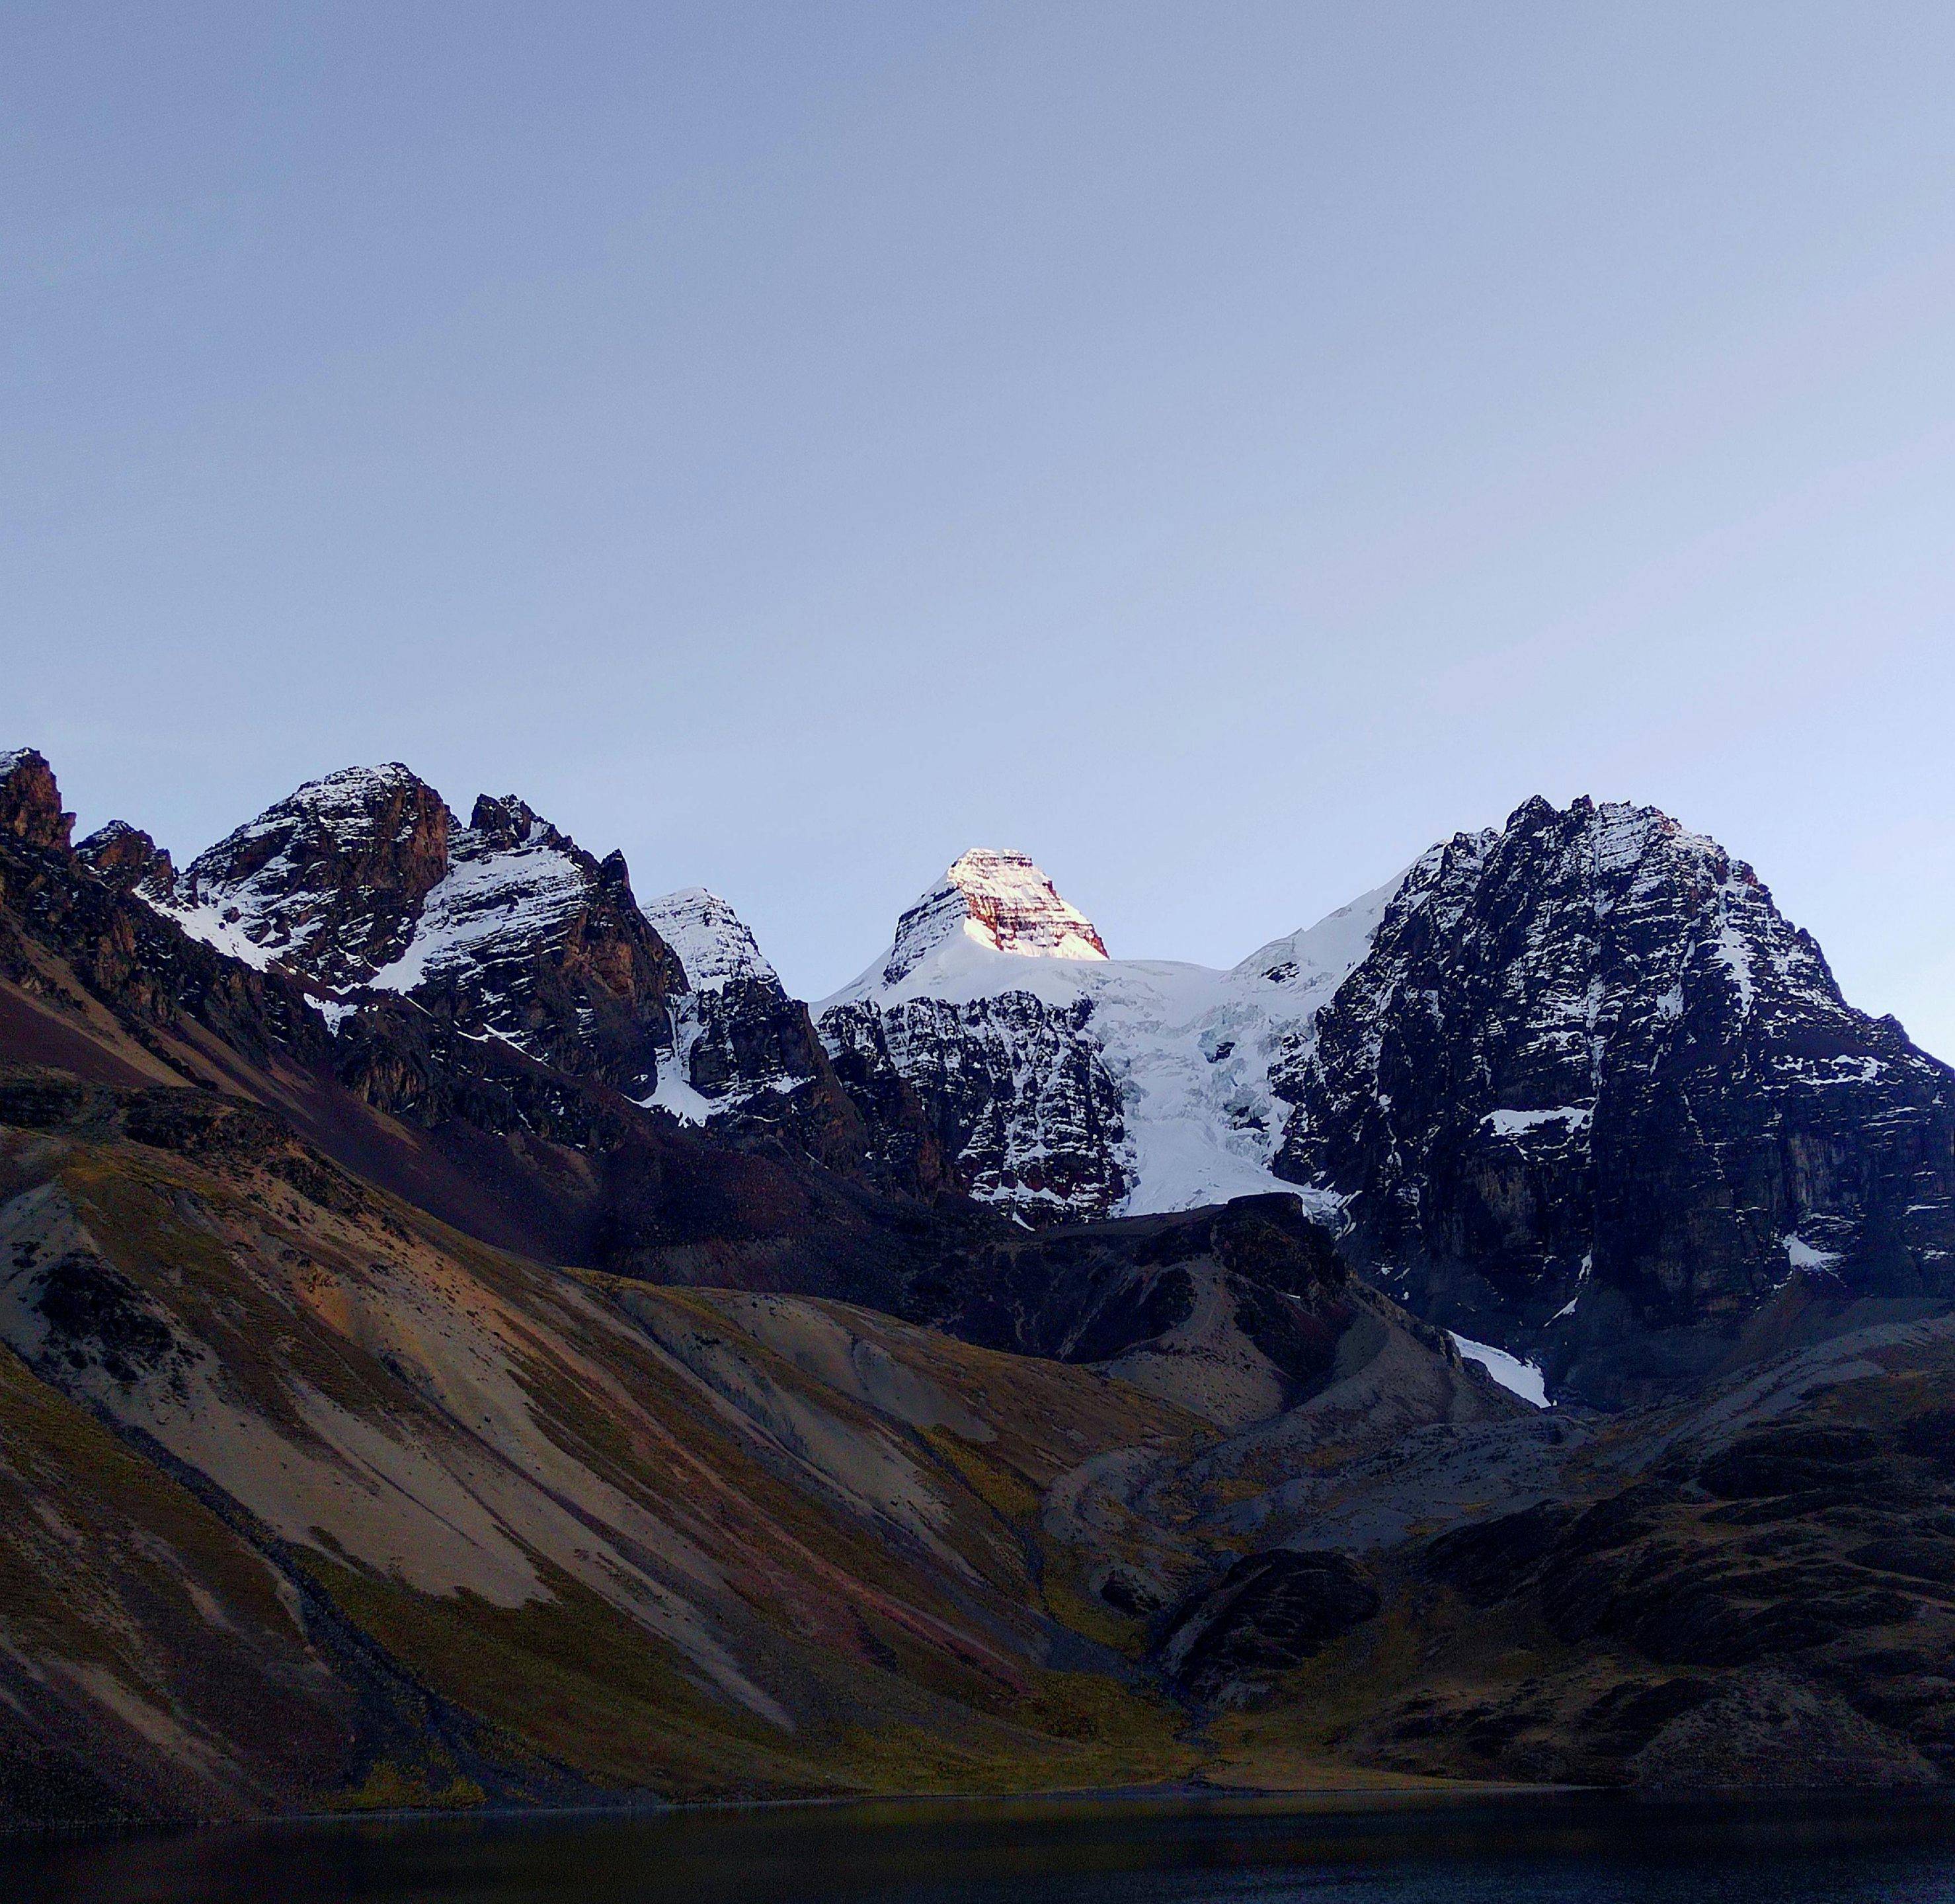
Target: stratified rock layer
point(997, 899)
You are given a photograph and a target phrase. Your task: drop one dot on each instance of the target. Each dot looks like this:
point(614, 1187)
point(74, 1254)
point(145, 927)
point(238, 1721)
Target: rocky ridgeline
point(1572, 1086)
point(1590, 1092)
point(363, 883)
point(504, 928)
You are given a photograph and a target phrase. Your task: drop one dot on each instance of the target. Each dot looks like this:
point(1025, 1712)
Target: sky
point(1218, 450)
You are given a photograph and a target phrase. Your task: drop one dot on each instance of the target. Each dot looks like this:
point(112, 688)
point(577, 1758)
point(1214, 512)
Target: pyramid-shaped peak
point(1018, 909)
point(999, 902)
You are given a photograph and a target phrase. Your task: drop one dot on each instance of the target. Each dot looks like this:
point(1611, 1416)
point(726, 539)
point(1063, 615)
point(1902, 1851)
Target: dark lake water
point(1582, 1849)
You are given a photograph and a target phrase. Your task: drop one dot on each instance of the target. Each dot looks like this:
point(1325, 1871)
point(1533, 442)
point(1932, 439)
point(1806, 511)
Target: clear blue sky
point(1217, 449)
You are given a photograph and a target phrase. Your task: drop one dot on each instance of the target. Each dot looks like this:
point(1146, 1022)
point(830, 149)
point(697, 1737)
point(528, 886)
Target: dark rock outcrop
point(1776, 1587)
point(528, 938)
point(746, 1052)
point(1014, 1098)
point(1590, 1095)
point(30, 808)
point(1239, 1311)
point(127, 856)
point(1268, 1614)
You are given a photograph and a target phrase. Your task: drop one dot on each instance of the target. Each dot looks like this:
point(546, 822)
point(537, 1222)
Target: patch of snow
point(502, 902)
point(1523, 1379)
point(221, 927)
point(1512, 1123)
point(1802, 1255)
point(673, 1093)
point(335, 1011)
point(1733, 947)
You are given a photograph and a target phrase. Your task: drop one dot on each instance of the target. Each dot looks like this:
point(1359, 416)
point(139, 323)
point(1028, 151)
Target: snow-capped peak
point(709, 938)
point(998, 900)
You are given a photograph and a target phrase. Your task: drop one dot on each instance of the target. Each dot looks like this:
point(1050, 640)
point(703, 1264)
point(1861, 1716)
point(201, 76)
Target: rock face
point(1063, 1084)
point(329, 881)
point(1238, 1311)
point(1589, 1092)
point(128, 858)
point(736, 1032)
point(504, 928)
point(1012, 1091)
point(30, 808)
point(527, 937)
point(742, 1049)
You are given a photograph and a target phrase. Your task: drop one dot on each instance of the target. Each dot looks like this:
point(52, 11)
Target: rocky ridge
point(327, 883)
point(504, 928)
point(98, 980)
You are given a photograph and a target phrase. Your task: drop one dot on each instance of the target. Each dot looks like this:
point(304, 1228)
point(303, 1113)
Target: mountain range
point(472, 1335)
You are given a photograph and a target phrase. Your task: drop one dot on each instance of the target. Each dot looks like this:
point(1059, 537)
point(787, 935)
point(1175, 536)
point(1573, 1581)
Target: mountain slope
point(473, 1526)
point(317, 1502)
